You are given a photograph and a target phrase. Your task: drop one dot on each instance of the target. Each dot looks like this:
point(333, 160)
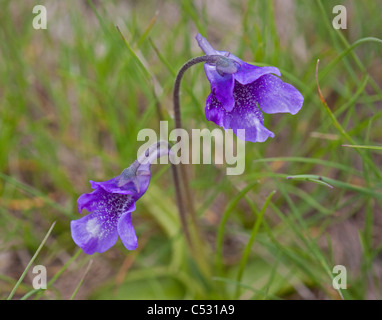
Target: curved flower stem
point(195, 233)
point(153, 152)
point(179, 76)
point(197, 254)
point(209, 59)
point(178, 191)
point(178, 125)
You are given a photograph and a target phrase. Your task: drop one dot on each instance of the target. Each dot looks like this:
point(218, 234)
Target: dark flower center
point(245, 101)
point(112, 205)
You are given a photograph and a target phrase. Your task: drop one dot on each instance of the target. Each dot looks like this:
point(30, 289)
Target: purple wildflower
point(240, 92)
point(111, 204)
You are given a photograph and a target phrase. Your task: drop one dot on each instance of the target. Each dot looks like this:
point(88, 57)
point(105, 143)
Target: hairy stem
point(183, 69)
point(163, 147)
point(195, 233)
point(178, 125)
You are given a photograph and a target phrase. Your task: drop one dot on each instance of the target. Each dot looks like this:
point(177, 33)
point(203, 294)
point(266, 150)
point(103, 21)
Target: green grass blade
point(251, 240)
point(82, 280)
point(375, 148)
point(221, 229)
point(31, 262)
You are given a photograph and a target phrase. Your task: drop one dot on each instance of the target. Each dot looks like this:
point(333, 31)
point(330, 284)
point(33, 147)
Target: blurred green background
point(73, 98)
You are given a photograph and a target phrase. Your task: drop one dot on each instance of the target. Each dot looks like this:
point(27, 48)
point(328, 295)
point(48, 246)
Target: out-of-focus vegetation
point(73, 98)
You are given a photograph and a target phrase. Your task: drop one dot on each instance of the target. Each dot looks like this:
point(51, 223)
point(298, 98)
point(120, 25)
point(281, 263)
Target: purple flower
point(240, 92)
point(111, 204)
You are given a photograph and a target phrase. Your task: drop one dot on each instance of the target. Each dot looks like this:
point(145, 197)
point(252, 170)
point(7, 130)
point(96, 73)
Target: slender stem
point(183, 69)
point(178, 190)
point(193, 231)
point(179, 201)
point(178, 125)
